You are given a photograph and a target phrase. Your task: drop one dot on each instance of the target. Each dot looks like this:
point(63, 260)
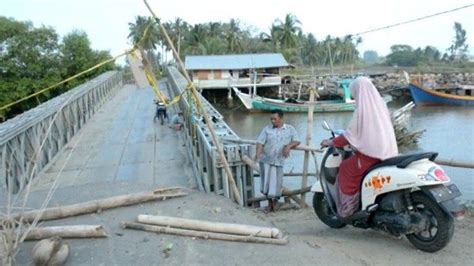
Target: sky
point(106, 21)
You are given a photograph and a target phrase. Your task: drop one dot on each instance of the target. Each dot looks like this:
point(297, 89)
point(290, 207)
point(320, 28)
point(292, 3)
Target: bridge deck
point(122, 143)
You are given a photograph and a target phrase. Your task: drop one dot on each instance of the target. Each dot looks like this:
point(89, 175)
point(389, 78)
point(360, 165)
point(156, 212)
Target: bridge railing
point(207, 167)
point(53, 123)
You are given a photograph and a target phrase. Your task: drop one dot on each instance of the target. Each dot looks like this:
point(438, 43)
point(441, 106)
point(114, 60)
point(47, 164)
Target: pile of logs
point(94, 206)
point(400, 118)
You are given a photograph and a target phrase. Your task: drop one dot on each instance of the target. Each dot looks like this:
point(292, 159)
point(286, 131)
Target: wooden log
point(203, 111)
point(309, 133)
point(455, 163)
point(203, 235)
point(285, 193)
point(67, 231)
point(255, 167)
point(99, 205)
point(199, 225)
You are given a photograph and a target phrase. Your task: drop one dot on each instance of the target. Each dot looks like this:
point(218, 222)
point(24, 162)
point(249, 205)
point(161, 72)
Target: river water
point(449, 131)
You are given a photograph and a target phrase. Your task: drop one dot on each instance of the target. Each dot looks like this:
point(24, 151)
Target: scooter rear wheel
point(324, 213)
point(440, 229)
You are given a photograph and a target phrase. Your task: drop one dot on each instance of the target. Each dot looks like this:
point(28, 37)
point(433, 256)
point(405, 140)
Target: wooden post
point(309, 133)
point(209, 123)
point(299, 90)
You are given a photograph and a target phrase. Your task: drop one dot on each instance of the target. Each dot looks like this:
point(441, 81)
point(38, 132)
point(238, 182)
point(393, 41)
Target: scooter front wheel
point(324, 213)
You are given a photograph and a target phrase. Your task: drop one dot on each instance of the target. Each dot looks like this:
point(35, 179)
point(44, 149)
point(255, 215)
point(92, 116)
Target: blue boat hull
point(423, 96)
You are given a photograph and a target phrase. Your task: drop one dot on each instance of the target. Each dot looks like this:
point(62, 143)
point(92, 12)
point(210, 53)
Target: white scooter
point(405, 195)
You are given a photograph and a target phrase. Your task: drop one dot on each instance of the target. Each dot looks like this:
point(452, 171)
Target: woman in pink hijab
point(371, 136)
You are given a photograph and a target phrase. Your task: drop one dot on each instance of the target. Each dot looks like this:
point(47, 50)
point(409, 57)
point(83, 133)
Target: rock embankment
point(384, 82)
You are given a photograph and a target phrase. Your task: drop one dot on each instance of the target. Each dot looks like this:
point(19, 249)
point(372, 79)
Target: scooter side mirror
point(326, 126)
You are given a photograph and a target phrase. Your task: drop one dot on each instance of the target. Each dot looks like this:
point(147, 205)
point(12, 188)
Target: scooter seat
point(403, 161)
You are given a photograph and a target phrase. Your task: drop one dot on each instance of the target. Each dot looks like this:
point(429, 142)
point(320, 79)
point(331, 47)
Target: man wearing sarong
point(273, 147)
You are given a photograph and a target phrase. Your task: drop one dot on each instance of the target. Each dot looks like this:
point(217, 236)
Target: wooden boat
point(258, 103)
point(462, 96)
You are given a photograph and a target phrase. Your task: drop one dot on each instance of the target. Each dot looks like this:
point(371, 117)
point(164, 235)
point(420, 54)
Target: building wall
point(227, 74)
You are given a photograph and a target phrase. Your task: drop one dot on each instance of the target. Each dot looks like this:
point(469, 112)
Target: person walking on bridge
point(273, 147)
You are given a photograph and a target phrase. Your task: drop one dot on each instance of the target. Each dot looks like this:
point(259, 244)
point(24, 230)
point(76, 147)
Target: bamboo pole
point(199, 225)
point(209, 123)
point(255, 167)
point(99, 205)
point(309, 133)
point(293, 174)
point(203, 235)
point(455, 163)
point(254, 142)
point(68, 231)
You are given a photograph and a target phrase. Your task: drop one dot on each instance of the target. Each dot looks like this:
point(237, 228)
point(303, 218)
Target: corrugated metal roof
point(242, 61)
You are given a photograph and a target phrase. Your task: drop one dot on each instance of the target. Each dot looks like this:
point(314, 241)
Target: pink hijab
point(371, 130)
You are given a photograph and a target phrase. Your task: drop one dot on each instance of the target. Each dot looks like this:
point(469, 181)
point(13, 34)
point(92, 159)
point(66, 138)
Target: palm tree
point(197, 35)
point(137, 31)
point(287, 30)
point(214, 29)
point(310, 50)
point(180, 29)
point(273, 38)
point(234, 37)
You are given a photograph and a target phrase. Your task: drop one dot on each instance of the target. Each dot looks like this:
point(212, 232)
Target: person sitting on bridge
point(177, 121)
point(371, 136)
point(273, 147)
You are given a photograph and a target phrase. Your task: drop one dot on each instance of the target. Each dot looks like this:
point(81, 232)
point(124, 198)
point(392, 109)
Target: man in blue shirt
point(273, 147)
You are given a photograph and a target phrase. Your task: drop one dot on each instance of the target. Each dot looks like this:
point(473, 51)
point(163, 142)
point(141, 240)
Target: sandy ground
point(311, 242)
point(121, 151)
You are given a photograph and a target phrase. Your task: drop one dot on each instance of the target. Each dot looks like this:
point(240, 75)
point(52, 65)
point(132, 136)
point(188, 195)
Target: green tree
point(32, 59)
point(459, 49)
point(77, 56)
point(401, 55)
point(310, 52)
point(234, 36)
point(272, 38)
point(287, 30)
point(371, 56)
point(137, 32)
point(29, 61)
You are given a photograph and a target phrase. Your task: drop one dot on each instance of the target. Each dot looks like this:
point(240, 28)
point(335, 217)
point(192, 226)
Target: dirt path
point(311, 242)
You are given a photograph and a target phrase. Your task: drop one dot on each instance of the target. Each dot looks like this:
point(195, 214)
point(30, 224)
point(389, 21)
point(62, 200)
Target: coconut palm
point(273, 38)
point(233, 37)
point(137, 31)
point(287, 30)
